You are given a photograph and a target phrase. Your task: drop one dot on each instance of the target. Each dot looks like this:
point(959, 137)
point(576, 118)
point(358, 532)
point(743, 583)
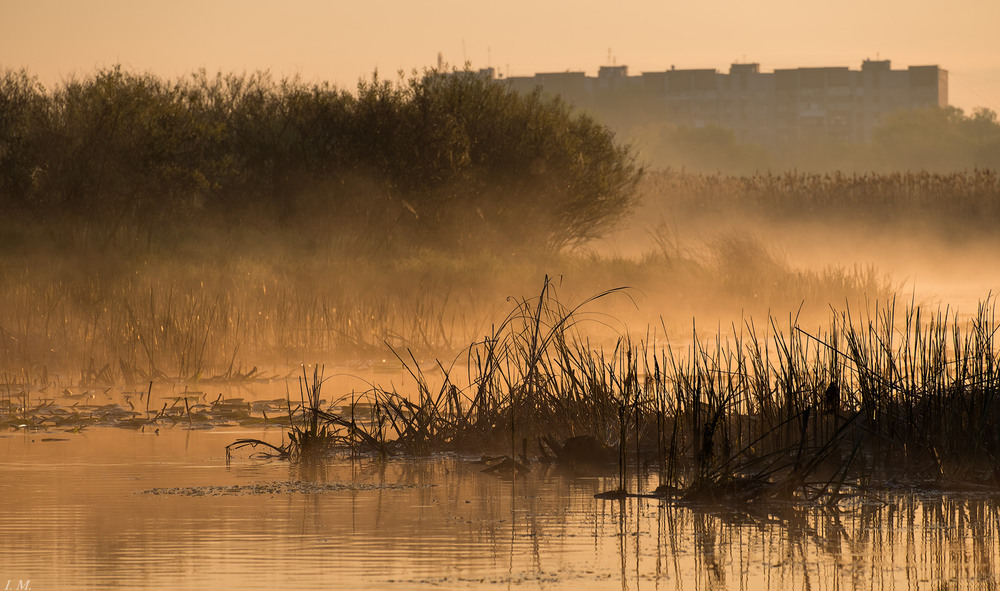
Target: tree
point(448, 159)
point(475, 161)
point(939, 140)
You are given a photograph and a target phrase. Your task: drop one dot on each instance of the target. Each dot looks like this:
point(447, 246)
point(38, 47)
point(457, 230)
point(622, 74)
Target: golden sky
point(341, 42)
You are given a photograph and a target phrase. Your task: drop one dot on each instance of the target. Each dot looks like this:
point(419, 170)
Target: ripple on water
point(118, 508)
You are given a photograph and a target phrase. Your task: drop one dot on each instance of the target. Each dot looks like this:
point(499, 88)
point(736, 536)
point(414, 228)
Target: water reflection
point(79, 514)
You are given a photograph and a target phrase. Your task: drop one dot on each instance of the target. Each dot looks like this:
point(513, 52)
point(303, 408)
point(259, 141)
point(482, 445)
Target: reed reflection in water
point(117, 508)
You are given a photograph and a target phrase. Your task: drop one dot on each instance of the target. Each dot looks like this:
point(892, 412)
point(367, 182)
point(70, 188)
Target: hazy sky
point(342, 42)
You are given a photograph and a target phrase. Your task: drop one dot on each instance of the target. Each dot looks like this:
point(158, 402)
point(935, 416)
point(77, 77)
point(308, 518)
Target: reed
point(942, 203)
point(890, 397)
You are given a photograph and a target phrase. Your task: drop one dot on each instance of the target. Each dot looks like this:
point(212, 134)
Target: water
point(114, 508)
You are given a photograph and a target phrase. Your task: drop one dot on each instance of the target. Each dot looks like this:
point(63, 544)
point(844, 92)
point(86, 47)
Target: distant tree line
point(446, 159)
point(937, 140)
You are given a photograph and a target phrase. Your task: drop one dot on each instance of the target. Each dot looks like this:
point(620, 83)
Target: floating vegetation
point(86, 409)
point(280, 487)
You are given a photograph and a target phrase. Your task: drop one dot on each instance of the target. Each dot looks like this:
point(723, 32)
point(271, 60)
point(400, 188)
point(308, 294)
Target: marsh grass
point(946, 203)
point(891, 397)
point(205, 325)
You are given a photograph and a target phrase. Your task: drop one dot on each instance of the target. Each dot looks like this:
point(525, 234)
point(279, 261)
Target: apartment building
point(761, 107)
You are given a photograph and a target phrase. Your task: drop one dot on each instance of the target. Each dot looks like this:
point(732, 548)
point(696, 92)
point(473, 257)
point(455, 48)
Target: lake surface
point(117, 508)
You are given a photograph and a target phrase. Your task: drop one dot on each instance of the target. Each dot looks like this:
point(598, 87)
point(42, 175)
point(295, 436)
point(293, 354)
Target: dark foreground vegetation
point(771, 413)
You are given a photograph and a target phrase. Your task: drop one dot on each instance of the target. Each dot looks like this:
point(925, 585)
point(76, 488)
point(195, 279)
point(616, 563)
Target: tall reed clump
point(927, 394)
point(769, 412)
point(870, 402)
point(523, 384)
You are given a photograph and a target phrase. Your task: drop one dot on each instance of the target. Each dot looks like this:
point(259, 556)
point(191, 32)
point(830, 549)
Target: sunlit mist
point(549, 296)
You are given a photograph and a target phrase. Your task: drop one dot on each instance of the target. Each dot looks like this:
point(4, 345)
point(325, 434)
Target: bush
point(445, 159)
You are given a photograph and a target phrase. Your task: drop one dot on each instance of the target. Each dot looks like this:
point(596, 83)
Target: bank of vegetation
point(893, 397)
point(954, 206)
